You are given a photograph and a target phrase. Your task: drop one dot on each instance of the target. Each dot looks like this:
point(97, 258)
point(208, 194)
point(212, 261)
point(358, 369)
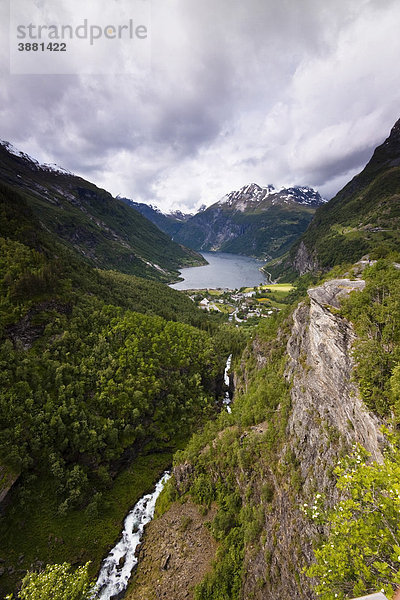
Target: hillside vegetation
point(88, 220)
point(363, 217)
point(99, 370)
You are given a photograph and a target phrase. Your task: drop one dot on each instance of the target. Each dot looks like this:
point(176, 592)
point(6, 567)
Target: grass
point(273, 294)
point(224, 308)
point(274, 287)
point(37, 532)
point(279, 287)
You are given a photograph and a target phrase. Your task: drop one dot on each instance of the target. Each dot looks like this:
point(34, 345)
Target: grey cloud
point(238, 92)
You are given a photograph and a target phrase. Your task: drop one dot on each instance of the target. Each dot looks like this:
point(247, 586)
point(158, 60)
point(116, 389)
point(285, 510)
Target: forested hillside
point(169, 223)
point(88, 220)
point(363, 217)
point(98, 370)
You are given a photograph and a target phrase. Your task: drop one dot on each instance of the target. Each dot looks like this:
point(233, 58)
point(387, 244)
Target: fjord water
point(223, 271)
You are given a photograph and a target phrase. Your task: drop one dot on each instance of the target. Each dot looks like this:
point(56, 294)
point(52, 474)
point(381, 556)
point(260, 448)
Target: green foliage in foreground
point(56, 582)
point(362, 552)
point(375, 313)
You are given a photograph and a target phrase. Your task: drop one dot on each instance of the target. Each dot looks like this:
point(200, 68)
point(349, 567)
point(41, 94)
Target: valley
point(288, 486)
point(256, 221)
point(244, 305)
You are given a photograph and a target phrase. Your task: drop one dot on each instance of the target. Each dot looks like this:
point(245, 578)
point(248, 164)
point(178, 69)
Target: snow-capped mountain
point(255, 194)
point(255, 220)
point(49, 167)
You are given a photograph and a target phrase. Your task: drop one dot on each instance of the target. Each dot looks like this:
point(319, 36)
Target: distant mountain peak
point(179, 215)
point(254, 193)
point(251, 192)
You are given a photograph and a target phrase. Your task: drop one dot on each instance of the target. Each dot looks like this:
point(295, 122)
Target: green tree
point(362, 551)
point(57, 582)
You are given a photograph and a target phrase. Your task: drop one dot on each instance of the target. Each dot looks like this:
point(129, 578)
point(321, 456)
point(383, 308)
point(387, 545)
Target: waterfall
point(227, 399)
point(116, 569)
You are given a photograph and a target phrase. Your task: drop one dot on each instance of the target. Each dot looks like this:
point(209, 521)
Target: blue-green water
point(223, 271)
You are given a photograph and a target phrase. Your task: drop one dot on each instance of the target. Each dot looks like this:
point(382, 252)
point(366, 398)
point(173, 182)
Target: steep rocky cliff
point(321, 420)
point(327, 418)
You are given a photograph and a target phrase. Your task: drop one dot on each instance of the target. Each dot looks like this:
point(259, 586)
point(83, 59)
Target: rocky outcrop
point(177, 553)
point(304, 261)
point(320, 369)
point(327, 417)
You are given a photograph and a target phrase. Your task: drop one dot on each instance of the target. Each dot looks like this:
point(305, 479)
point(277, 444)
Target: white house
point(204, 303)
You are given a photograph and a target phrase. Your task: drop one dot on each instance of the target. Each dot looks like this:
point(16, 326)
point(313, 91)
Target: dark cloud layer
point(281, 92)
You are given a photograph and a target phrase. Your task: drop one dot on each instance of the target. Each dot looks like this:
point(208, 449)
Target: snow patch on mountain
point(254, 193)
point(251, 192)
point(49, 167)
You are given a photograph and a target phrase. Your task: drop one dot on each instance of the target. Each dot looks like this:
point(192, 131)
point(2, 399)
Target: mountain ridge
point(254, 193)
point(363, 217)
point(255, 221)
point(89, 220)
point(169, 223)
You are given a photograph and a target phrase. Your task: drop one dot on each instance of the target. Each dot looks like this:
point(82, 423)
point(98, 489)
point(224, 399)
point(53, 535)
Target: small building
point(204, 303)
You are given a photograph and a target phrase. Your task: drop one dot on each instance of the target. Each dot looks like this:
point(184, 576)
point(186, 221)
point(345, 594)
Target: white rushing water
point(227, 398)
point(117, 567)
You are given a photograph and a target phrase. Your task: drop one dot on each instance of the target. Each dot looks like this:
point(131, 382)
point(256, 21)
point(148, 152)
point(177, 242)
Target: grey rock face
point(332, 291)
point(327, 418)
point(320, 369)
point(304, 261)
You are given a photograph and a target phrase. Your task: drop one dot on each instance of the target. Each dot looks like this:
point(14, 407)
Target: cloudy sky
point(289, 92)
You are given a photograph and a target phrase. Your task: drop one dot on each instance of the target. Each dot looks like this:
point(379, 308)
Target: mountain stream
point(227, 398)
point(117, 567)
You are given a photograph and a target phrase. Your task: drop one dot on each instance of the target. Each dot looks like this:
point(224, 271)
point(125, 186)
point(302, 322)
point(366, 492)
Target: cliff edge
point(322, 418)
